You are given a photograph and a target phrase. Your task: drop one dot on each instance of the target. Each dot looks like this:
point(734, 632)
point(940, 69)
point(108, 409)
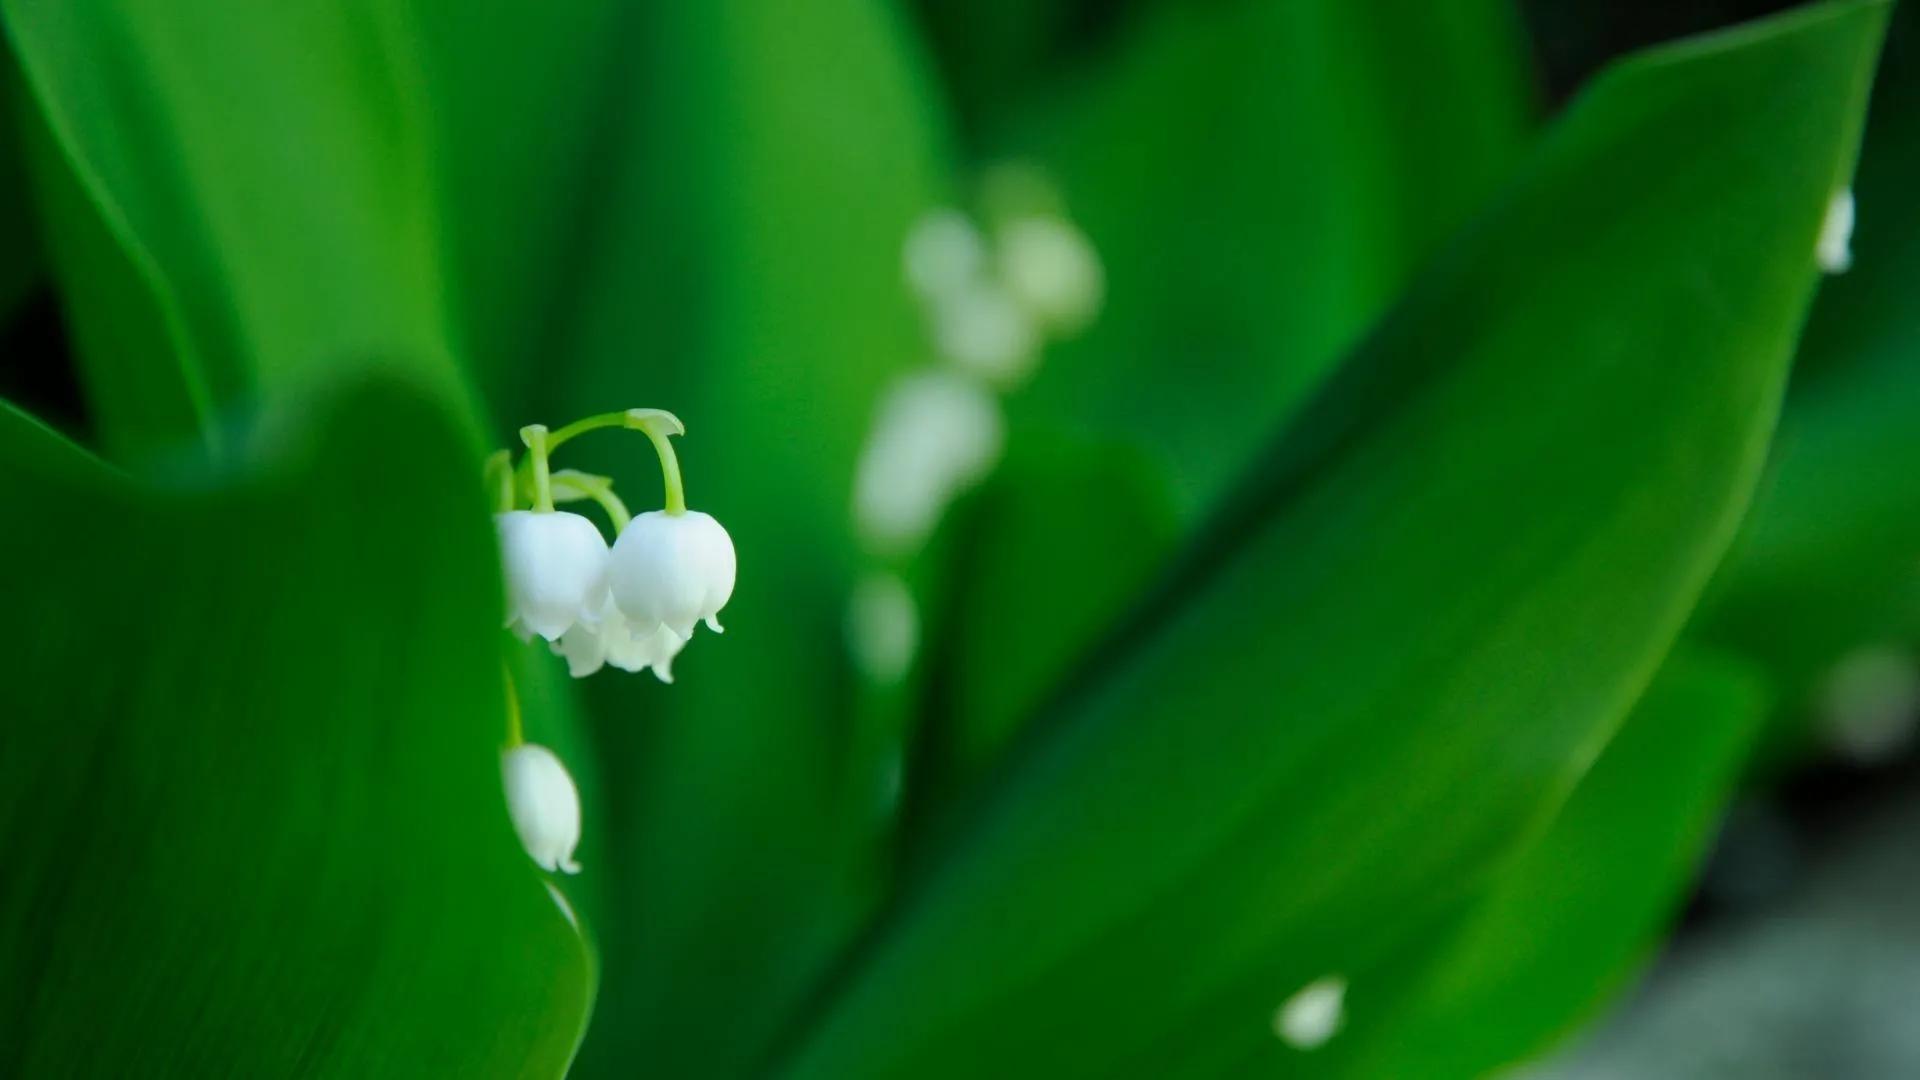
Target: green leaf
point(1560, 931)
point(20, 252)
point(251, 798)
point(746, 274)
point(249, 193)
point(1261, 178)
point(1826, 562)
point(1438, 597)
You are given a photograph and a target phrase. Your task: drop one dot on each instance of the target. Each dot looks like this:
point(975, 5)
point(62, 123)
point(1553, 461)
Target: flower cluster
point(995, 287)
point(633, 604)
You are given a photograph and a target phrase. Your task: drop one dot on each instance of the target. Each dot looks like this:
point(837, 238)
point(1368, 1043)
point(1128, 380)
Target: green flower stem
point(669, 469)
point(657, 424)
point(516, 734)
point(535, 436)
point(499, 477)
point(571, 484)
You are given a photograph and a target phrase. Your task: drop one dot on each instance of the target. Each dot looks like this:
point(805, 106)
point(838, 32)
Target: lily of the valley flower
point(614, 641)
point(556, 571)
point(544, 805)
point(633, 606)
point(672, 569)
point(1834, 252)
point(1051, 269)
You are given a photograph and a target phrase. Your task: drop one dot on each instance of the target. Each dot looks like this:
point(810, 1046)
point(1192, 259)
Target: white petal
point(544, 805)
point(1051, 269)
point(585, 648)
point(556, 570)
point(674, 569)
point(937, 433)
point(883, 627)
point(983, 330)
point(1834, 251)
point(943, 252)
point(1313, 1014)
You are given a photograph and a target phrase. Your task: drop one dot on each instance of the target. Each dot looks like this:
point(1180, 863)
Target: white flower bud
point(556, 570)
point(672, 569)
point(937, 433)
point(1051, 269)
point(613, 641)
point(982, 329)
point(544, 805)
point(883, 627)
point(1834, 251)
point(943, 253)
point(1313, 1014)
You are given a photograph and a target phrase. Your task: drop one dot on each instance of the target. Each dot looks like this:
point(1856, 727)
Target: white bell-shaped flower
point(1052, 270)
point(556, 570)
point(982, 328)
point(544, 805)
point(614, 641)
point(1834, 250)
point(936, 434)
point(672, 569)
point(943, 253)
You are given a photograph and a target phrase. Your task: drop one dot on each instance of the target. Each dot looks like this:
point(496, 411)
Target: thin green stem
point(669, 470)
point(499, 476)
point(571, 484)
point(516, 734)
point(535, 436)
point(655, 423)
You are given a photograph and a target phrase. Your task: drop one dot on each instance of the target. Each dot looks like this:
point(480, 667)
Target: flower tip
point(713, 624)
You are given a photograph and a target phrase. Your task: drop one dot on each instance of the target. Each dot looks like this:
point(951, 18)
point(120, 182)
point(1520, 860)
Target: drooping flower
point(556, 571)
point(1313, 1014)
point(544, 805)
point(937, 433)
point(943, 252)
point(981, 328)
point(883, 627)
point(1834, 252)
point(1051, 269)
point(672, 569)
point(614, 641)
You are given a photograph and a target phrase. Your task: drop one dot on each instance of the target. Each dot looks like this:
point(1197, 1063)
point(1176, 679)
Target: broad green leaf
point(258, 172)
point(1827, 561)
point(1559, 931)
point(746, 275)
point(19, 248)
point(525, 108)
point(251, 797)
point(1261, 178)
point(1436, 599)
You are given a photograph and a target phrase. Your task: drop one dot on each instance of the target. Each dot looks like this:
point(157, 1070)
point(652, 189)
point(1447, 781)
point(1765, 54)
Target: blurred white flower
point(1834, 251)
point(672, 569)
point(1051, 269)
point(936, 434)
point(1871, 703)
point(613, 641)
point(883, 627)
point(556, 571)
point(544, 805)
point(983, 330)
point(1313, 1014)
point(943, 253)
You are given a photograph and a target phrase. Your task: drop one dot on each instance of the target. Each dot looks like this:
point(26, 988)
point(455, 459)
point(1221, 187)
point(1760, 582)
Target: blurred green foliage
point(1290, 638)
